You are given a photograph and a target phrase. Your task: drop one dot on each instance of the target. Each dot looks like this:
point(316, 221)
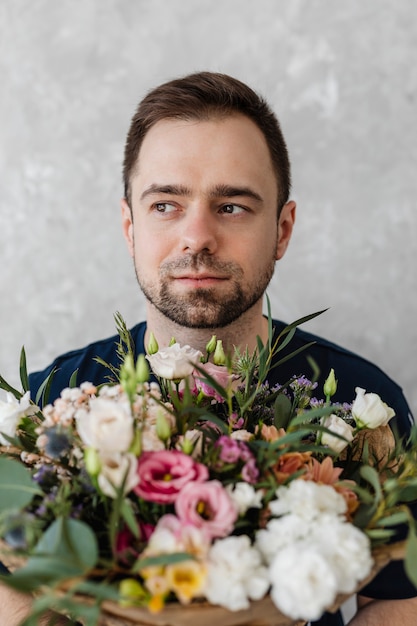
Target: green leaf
point(24, 371)
point(16, 485)
point(6, 387)
point(410, 563)
point(282, 411)
point(89, 614)
point(307, 416)
point(73, 380)
point(67, 549)
point(45, 388)
point(163, 559)
point(398, 517)
point(129, 517)
point(372, 477)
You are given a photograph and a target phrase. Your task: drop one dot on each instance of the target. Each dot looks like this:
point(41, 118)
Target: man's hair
point(204, 96)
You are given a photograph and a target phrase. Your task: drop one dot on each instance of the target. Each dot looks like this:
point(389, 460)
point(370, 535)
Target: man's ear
point(285, 225)
point(127, 225)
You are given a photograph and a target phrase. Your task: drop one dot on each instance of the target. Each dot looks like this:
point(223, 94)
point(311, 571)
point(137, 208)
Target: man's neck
point(241, 333)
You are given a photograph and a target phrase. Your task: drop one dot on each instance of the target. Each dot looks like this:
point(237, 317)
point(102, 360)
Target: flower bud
point(131, 592)
point(152, 347)
point(128, 376)
point(136, 445)
point(128, 368)
point(219, 357)
point(92, 461)
point(330, 385)
point(142, 369)
point(163, 429)
point(187, 446)
point(211, 345)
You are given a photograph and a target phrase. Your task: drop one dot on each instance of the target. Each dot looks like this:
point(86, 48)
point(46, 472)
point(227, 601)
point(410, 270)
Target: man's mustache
point(199, 261)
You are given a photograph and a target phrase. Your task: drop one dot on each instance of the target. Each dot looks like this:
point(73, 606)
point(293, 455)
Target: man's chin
point(196, 317)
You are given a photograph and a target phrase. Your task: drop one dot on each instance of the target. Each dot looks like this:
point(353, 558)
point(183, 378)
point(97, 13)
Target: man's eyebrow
point(231, 191)
point(218, 191)
point(174, 190)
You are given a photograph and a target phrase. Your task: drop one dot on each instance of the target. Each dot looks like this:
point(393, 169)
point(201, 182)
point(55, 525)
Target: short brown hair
point(202, 96)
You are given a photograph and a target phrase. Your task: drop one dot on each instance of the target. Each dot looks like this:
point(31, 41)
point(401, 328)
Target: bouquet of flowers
point(204, 485)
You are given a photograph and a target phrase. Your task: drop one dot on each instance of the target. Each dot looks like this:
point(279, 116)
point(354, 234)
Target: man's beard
point(204, 307)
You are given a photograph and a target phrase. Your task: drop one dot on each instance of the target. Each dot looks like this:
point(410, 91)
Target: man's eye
point(232, 209)
point(163, 207)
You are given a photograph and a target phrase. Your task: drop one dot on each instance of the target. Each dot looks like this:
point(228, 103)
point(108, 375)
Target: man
point(206, 215)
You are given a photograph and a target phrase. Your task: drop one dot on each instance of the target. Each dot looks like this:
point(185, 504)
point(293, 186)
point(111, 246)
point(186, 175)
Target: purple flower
point(230, 451)
point(235, 421)
point(250, 472)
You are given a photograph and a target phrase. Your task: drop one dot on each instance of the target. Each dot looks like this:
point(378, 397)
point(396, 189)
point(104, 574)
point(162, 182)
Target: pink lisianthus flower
point(207, 506)
point(220, 374)
point(187, 537)
point(162, 475)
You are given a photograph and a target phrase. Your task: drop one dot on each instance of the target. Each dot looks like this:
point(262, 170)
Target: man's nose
point(199, 231)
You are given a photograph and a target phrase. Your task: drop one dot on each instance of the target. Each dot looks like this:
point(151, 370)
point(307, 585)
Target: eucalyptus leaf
point(16, 485)
point(67, 549)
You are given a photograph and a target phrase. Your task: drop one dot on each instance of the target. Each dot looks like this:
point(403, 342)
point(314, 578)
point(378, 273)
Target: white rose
point(369, 411)
point(107, 426)
point(10, 413)
point(175, 362)
point(340, 427)
point(116, 469)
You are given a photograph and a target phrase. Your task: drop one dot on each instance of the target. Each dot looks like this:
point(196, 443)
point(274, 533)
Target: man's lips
point(200, 280)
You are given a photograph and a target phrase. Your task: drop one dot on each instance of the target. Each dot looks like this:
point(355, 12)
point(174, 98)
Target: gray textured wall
point(342, 78)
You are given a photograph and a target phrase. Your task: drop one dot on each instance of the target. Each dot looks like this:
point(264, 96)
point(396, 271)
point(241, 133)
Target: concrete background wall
point(342, 78)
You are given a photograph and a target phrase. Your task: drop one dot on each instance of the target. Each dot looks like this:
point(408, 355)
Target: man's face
point(205, 234)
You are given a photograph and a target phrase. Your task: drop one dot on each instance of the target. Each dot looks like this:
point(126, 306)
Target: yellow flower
point(186, 579)
point(156, 603)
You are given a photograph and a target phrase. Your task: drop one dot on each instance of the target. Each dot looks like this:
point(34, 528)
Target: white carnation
point(346, 548)
point(245, 497)
point(235, 573)
point(280, 533)
point(303, 582)
point(307, 499)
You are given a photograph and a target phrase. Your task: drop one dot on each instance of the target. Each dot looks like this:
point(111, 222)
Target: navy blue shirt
point(350, 369)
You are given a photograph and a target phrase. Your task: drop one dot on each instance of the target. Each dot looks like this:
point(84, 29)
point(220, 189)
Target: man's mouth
point(199, 280)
